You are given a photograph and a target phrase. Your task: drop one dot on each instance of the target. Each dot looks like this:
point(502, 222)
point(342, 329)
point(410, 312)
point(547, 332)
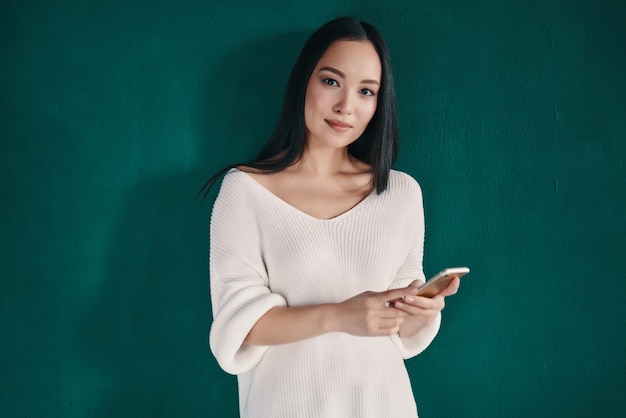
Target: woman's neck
point(326, 162)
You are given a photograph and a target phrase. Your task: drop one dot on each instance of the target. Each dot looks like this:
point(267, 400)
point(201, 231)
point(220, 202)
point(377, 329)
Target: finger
point(396, 294)
point(385, 332)
point(408, 309)
point(417, 283)
point(421, 303)
point(452, 288)
point(389, 325)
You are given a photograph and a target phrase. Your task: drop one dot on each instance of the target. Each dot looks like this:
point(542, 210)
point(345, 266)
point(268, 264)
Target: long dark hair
point(377, 146)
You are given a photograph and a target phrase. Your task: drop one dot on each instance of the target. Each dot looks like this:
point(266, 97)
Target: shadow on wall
point(144, 344)
point(243, 98)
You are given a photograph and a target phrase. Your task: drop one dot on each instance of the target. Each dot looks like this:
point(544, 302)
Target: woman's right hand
point(369, 313)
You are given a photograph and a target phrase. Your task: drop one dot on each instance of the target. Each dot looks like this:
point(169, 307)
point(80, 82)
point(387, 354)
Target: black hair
point(377, 146)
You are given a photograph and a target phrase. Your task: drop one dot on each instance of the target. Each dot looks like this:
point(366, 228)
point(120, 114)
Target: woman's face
point(341, 95)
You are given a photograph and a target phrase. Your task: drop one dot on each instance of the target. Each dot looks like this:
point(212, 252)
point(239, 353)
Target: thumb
point(417, 283)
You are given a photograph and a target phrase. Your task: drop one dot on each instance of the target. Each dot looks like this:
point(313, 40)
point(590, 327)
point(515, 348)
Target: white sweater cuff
point(415, 344)
point(232, 325)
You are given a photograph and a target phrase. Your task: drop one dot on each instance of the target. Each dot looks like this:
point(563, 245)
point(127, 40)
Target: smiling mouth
point(338, 125)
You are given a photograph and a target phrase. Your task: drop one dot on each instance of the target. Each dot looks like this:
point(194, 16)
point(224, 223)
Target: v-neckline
point(302, 213)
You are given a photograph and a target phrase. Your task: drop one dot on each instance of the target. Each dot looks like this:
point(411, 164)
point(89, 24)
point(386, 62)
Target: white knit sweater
point(266, 253)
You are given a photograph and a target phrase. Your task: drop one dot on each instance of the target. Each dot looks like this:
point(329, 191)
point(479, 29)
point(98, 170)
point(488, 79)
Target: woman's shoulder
point(232, 178)
point(235, 185)
point(238, 196)
point(248, 183)
point(403, 190)
point(401, 181)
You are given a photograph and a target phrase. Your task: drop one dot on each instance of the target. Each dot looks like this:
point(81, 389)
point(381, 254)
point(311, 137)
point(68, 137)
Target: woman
point(316, 246)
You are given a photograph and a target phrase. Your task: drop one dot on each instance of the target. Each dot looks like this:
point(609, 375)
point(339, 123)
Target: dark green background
point(112, 115)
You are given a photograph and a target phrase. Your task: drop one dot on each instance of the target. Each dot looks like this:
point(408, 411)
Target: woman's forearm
point(366, 314)
point(283, 325)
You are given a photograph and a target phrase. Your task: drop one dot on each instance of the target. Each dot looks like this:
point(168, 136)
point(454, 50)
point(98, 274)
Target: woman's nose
point(344, 105)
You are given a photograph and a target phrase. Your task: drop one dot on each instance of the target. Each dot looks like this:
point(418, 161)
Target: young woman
point(316, 246)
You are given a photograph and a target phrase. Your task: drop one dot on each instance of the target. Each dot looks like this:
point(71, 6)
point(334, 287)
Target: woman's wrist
point(330, 318)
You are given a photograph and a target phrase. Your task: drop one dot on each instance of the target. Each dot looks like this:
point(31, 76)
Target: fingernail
point(409, 299)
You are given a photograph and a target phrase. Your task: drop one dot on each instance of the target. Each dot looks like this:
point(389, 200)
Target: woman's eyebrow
point(342, 75)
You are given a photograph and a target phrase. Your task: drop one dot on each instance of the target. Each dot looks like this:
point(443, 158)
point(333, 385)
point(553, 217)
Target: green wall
point(112, 115)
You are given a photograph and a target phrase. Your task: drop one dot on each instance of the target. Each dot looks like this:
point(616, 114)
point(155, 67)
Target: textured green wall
point(112, 114)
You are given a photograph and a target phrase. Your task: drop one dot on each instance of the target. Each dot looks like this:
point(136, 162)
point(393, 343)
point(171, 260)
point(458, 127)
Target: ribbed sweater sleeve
point(411, 270)
point(238, 279)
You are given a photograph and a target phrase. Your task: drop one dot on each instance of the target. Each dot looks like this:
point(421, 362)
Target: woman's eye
point(367, 92)
point(329, 81)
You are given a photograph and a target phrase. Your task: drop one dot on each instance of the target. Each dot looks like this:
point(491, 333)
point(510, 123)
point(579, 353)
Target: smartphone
point(440, 281)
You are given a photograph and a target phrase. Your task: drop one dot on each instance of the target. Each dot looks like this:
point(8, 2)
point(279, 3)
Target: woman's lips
point(338, 125)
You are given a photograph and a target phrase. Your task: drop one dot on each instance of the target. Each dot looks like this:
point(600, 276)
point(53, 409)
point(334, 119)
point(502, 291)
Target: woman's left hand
point(423, 310)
